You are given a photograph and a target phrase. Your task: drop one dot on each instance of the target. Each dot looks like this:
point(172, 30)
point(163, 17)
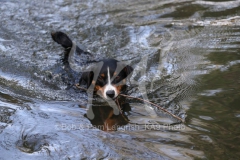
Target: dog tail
point(62, 39)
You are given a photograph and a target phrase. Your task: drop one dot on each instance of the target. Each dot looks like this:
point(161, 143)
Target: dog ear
point(87, 77)
point(128, 70)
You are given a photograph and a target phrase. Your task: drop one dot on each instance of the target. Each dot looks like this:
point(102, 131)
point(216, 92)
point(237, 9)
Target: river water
point(185, 56)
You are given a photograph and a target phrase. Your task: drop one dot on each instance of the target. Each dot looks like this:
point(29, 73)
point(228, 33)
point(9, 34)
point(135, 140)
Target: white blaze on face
point(109, 86)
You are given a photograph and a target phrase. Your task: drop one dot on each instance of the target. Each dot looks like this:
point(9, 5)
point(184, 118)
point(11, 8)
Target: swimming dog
point(107, 80)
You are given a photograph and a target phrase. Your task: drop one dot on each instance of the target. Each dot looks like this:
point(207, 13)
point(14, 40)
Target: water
point(186, 59)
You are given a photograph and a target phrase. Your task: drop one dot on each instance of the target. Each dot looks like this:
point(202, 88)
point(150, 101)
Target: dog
point(107, 80)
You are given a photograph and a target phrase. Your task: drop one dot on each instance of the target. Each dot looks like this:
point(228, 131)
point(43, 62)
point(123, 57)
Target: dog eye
point(100, 78)
point(117, 79)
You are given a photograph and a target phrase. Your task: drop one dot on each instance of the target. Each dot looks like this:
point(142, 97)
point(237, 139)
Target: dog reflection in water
point(107, 79)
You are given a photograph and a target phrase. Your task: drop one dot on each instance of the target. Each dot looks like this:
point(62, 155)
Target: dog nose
point(110, 93)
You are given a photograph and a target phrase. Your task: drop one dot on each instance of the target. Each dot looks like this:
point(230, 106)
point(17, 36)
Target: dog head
point(110, 79)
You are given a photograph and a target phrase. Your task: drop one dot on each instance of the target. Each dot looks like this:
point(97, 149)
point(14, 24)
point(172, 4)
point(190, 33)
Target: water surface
point(186, 59)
